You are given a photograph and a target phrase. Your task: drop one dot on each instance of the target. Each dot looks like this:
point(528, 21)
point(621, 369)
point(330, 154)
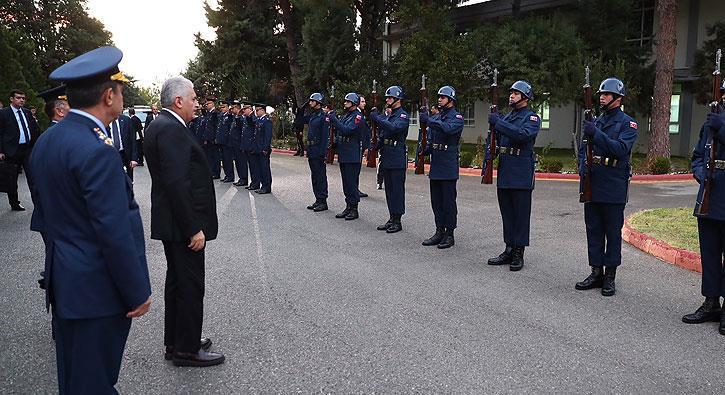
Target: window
point(641, 24)
point(469, 116)
point(675, 109)
point(543, 111)
point(413, 115)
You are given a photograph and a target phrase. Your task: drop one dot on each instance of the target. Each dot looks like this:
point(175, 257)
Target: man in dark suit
point(96, 276)
point(18, 133)
point(122, 136)
point(183, 216)
point(137, 127)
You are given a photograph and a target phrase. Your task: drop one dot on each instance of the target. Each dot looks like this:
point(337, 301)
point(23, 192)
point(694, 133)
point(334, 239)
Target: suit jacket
point(130, 152)
point(183, 200)
point(137, 127)
point(10, 131)
point(150, 117)
point(95, 262)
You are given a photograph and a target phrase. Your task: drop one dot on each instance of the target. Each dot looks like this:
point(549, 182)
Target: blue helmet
point(353, 97)
point(395, 91)
point(612, 85)
point(524, 87)
point(722, 87)
point(318, 97)
point(448, 92)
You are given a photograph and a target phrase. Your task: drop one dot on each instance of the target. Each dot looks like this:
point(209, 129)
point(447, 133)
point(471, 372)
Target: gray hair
point(174, 87)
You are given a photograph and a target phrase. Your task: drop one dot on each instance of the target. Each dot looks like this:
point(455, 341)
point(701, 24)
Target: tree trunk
point(291, 35)
point(666, 42)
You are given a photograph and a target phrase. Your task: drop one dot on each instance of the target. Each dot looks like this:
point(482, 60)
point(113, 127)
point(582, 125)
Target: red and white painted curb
point(658, 248)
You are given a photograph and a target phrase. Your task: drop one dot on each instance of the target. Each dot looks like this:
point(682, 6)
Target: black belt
point(392, 143)
point(444, 147)
point(719, 164)
point(604, 161)
point(510, 151)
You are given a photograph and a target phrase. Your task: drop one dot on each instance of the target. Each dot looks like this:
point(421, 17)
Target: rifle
point(420, 162)
point(585, 195)
point(373, 150)
point(704, 208)
point(487, 171)
point(331, 144)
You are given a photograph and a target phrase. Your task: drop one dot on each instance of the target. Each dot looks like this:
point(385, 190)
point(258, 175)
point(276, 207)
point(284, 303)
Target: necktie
point(116, 136)
point(25, 127)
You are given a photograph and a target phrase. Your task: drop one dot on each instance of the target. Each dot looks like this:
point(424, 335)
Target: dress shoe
point(721, 329)
point(199, 359)
point(594, 280)
point(226, 180)
point(380, 186)
point(395, 226)
point(710, 311)
point(352, 214)
point(363, 194)
point(17, 207)
point(263, 191)
point(344, 212)
point(436, 238)
point(240, 183)
point(204, 344)
point(386, 225)
point(313, 205)
point(517, 259)
point(252, 187)
point(503, 259)
point(608, 288)
point(321, 207)
point(448, 240)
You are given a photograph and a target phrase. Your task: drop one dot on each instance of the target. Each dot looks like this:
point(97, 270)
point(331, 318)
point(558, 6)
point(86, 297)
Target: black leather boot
point(344, 212)
point(313, 205)
point(386, 225)
point(353, 214)
point(396, 226)
point(608, 288)
point(322, 206)
point(436, 238)
point(517, 259)
point(448, 240)
point(710, 311)
point(594, 280)
point(503, 259)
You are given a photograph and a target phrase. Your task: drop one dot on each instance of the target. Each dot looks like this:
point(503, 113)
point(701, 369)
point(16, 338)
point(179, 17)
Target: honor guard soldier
point(612, 136)
point(209, 126)
point(318, 131)
point(235, 140)
point(349, 133)
point(711, 225)
point(299, 129)
point(366, 137)
point(223, 139)
point(516, 134)
point(393, 129)
point(96, 276)
point(444, 136)
point(263, 137)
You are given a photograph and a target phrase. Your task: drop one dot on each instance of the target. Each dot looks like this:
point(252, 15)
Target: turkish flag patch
point(404, 115)
point(633, 125)
point(459, 116)
point(358, 118)
point(534, 118)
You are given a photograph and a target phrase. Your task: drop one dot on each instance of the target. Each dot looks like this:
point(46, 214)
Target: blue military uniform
point(236, 138)
point(318, 132)
point(263, 139)
point(349, 133)
point(225, 142)
point(209, 126)
point(195, 129)
point(95, 264)
point(249, 145)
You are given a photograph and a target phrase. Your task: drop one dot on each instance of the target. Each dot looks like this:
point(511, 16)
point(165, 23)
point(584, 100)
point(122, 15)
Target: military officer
point(516, 134)
point(318, 133)
point(194, 125)
point(444, 136)
point(56, 104)
point(612, 136)
point(235, 138)
point(392, 132)
point(96, 276)
point(263, 137)
point(711, 226)
point(209, 126)
point(349, 134)
point(249, 144)
point(223, 139)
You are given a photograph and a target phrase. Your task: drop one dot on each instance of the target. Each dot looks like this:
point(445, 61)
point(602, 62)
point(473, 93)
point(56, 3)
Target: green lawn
point(675, 226)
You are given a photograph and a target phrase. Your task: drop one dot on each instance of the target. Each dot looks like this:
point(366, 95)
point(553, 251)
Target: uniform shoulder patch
point(633, 125)
point(534, 118)
point(459, 116)
point(404, 115)
point(358, 118)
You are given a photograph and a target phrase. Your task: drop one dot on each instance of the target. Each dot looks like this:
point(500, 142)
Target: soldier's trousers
point(515, 206)
point(604, 223)
point(211, 151)
point(712, 247)
point(254, 169)
point(228, 161)
point(318, 173)
point(350, 173)
point(443, 200)
point(242, 163)
point(265, 172)
point(395, 190)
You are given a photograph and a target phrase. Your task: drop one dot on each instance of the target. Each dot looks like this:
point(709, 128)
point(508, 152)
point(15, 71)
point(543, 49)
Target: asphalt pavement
point(303, 302)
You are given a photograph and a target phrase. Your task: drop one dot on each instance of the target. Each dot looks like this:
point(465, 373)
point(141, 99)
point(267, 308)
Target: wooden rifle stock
point(487, 176)
point(372, 160)
point(331, 144)
point(585, 195)
point(704, 207)
point(420, 160)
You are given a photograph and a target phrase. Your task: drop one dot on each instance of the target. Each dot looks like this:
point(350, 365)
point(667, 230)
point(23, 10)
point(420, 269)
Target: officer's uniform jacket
point(210, 124)
point(235, 132)
point(223, 131)
point(348, 135)
point(613, 139)
point(392, 132)
point(516, 135)
point(263, 134)
point(700, 160)
point(443, 140)
point(95, 263)
point(366, 135)
point(318, 134)
point(195, 129)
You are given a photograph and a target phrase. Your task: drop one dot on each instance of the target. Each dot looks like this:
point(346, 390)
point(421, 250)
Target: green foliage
point(705, 61)
point(547, 165)
point(466, 159)
point(660, 165)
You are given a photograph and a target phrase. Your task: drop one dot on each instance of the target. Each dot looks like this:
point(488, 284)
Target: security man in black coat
point(711, 226)
point(223, 139)
point(443, 146)
point(318, 132)
point(209, 126)
point(241, 163)
point(612, 135)
point(349, 133)
point(516, 134)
